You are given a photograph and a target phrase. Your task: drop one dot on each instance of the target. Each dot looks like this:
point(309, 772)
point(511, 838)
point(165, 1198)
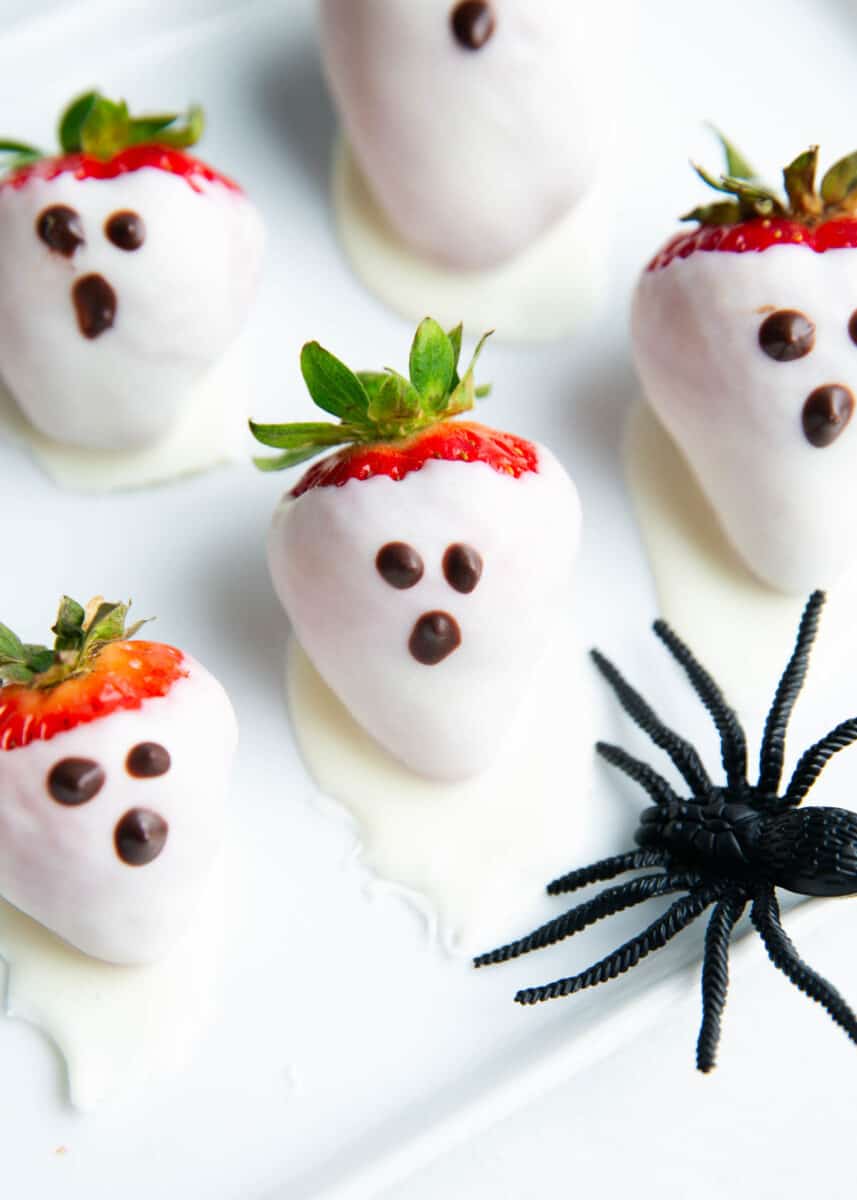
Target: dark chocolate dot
point(60, 229)
point(462, 566)
point(435, 635)
point(399, 564)
point(140, 836)
point(74, 781)
point(826, 413)
point(786, 335)
point(147, 760)
point(852, 326)
point(126, 229)
point(473, 23)
point(95, 305)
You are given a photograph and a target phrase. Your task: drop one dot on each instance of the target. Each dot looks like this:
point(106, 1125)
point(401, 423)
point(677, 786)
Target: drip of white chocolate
point(473, 856)
point(118, 1028)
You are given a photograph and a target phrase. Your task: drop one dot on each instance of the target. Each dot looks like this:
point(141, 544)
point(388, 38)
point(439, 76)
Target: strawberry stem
point(80, 635)
point(803, 202)
point(376, 406)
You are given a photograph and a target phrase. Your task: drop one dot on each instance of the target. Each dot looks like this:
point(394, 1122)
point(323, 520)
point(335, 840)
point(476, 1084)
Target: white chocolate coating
point(472, 154)
point(59, 864)
point(447, 721)
point(181, 299)
point(787, 506)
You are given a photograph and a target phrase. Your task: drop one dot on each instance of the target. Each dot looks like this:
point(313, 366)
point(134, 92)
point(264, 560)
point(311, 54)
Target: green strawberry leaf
point(840, 181)
point(290, 458)
point(432, 363)
point(106, 129)
point(38, 658)
point(726, 212)
point(372, 382)
point(737, 166)
point(20, 154)
point(15, 673)
point(69, 625)
point(332, 385)
point(300, 434)
point(165, 131)
point(11, 647)
point(799, 180)
point(107, 624)
point(396, 403)
point(73, 120)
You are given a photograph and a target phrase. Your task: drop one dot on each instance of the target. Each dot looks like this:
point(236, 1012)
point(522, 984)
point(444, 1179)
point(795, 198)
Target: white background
point(343, 1038)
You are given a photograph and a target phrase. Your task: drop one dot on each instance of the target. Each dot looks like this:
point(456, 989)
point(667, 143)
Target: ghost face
point(116, 295)
point(426, 603)
point(476, 125)
point(108, 831)
point(750, 362)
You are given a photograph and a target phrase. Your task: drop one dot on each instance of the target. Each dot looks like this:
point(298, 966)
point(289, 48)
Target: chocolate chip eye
point(826, 413)
point(59, 227)
point(473, 23)
point(147, 760)
point(126, 229)
point(786, 335)
point(399, 564)
point(74, 781)
point(140, 836)
point(462, 566)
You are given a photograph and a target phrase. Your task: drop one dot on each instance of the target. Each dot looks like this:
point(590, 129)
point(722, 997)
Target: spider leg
point(815, 759)
point(715, 977)
point(606, 904)
point(677, 917)
point(657, 787)
point(680, 751)
point(607, 868)
point(772, 753)
point(733, 741)
point(765, 915)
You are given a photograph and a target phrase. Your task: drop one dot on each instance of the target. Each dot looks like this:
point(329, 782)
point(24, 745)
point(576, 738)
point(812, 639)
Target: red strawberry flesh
point(122, 676)
point(449, 441)
point(162, 158)
point(839, 233)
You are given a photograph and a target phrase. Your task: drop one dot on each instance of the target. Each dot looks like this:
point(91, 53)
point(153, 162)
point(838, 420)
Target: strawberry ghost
point(114, 759)
point(425, 567)
point(745, 338)
point(474, 124)
point(126, 268)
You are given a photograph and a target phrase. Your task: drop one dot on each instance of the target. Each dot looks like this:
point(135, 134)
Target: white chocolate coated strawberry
point(60, 862)
point(448, 719)
point(179, 298)
point(786, 504)
point(473, 144)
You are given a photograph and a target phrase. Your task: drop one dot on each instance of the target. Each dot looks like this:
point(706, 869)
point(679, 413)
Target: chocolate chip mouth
point(435, 636)
point(140, 836)
point(95, 304)
point(826, 413)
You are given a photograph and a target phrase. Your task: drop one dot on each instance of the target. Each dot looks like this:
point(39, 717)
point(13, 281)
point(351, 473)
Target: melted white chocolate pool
point(473, 856)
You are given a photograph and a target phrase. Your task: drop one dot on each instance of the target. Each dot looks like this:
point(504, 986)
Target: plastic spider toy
point(729, 846)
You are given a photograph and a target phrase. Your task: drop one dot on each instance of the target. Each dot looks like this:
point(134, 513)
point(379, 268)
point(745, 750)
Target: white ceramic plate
point(348, 1049)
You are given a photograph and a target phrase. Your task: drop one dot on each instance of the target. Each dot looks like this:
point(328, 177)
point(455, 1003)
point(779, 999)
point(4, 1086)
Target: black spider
point(728, 846)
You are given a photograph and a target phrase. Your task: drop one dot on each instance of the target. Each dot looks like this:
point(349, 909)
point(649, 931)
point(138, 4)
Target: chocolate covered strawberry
point(511, 136)
point(114, 757)
point(426, 564)
point(126, 268)
point(744, 332)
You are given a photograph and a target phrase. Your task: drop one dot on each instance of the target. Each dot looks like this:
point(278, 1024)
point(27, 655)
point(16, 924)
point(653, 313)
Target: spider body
point(726, 846)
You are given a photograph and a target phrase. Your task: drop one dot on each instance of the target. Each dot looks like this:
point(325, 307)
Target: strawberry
point(114, 756)
point(515, 81)
point(126, 268)
point(744, 332)
point(425, 565)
